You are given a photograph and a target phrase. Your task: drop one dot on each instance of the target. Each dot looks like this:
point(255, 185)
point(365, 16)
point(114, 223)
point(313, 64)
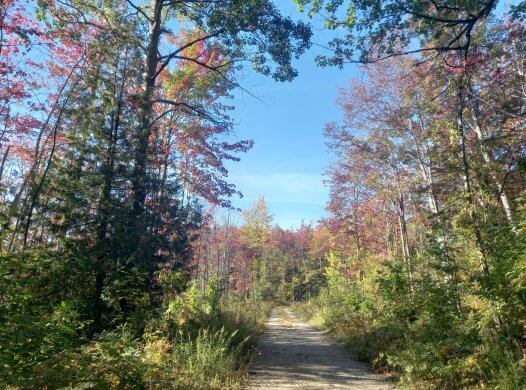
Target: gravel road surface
point(292, 355)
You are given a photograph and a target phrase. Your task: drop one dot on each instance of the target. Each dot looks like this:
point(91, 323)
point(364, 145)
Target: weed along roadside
point(199, 341)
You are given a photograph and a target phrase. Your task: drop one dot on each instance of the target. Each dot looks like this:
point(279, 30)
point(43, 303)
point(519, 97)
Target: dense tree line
point(260, 260)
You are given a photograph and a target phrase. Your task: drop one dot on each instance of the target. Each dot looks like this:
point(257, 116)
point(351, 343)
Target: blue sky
point(289, 155)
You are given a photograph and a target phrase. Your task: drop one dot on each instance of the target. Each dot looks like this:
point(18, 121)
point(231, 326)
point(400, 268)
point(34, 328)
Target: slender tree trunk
point(4, 159)
point(38, 189)
point(466, 175)
point(487, 157)
point(38, 155)
point(425, 169)
point(450, 278)
point(2, 166)
point(151, 61)
point(104, 206)
point(228, 256)
point(468, 188)
point(404, 238)
point(36, 192)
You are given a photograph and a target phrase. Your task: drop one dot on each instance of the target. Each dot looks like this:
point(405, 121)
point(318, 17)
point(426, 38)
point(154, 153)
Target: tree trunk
point(404, 238)
point(151, 61)
point(38, 155)
point(104, 207)
point(38, 189)
point(466, 176)
point(36, 192)
point(487, 157)
point(425, 169)
point(4, 159)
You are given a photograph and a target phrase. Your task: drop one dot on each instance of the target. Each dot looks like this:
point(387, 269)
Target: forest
point(124, 262)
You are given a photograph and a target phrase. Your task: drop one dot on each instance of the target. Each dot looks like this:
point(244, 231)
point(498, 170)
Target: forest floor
point(293, 355)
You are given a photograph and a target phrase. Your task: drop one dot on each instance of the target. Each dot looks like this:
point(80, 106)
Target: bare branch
point(139, 10)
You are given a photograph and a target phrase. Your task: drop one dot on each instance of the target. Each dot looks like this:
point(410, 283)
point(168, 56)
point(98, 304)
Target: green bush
point(199, 341)
point(212, 359)
point(113, 360)
point(40, 315)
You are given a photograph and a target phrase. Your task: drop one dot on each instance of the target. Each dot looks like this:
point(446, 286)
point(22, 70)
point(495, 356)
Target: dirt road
point(293, 355)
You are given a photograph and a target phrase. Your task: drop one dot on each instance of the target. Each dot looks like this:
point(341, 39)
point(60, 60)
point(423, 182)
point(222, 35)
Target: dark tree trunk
point(105, 204)
point(151, 61)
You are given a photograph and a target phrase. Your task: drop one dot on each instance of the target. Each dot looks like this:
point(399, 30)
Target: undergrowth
point(416, 340)
point(198, 340)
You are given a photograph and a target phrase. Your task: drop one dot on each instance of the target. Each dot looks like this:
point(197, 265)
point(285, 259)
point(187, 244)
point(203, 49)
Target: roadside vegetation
point(194, 339)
